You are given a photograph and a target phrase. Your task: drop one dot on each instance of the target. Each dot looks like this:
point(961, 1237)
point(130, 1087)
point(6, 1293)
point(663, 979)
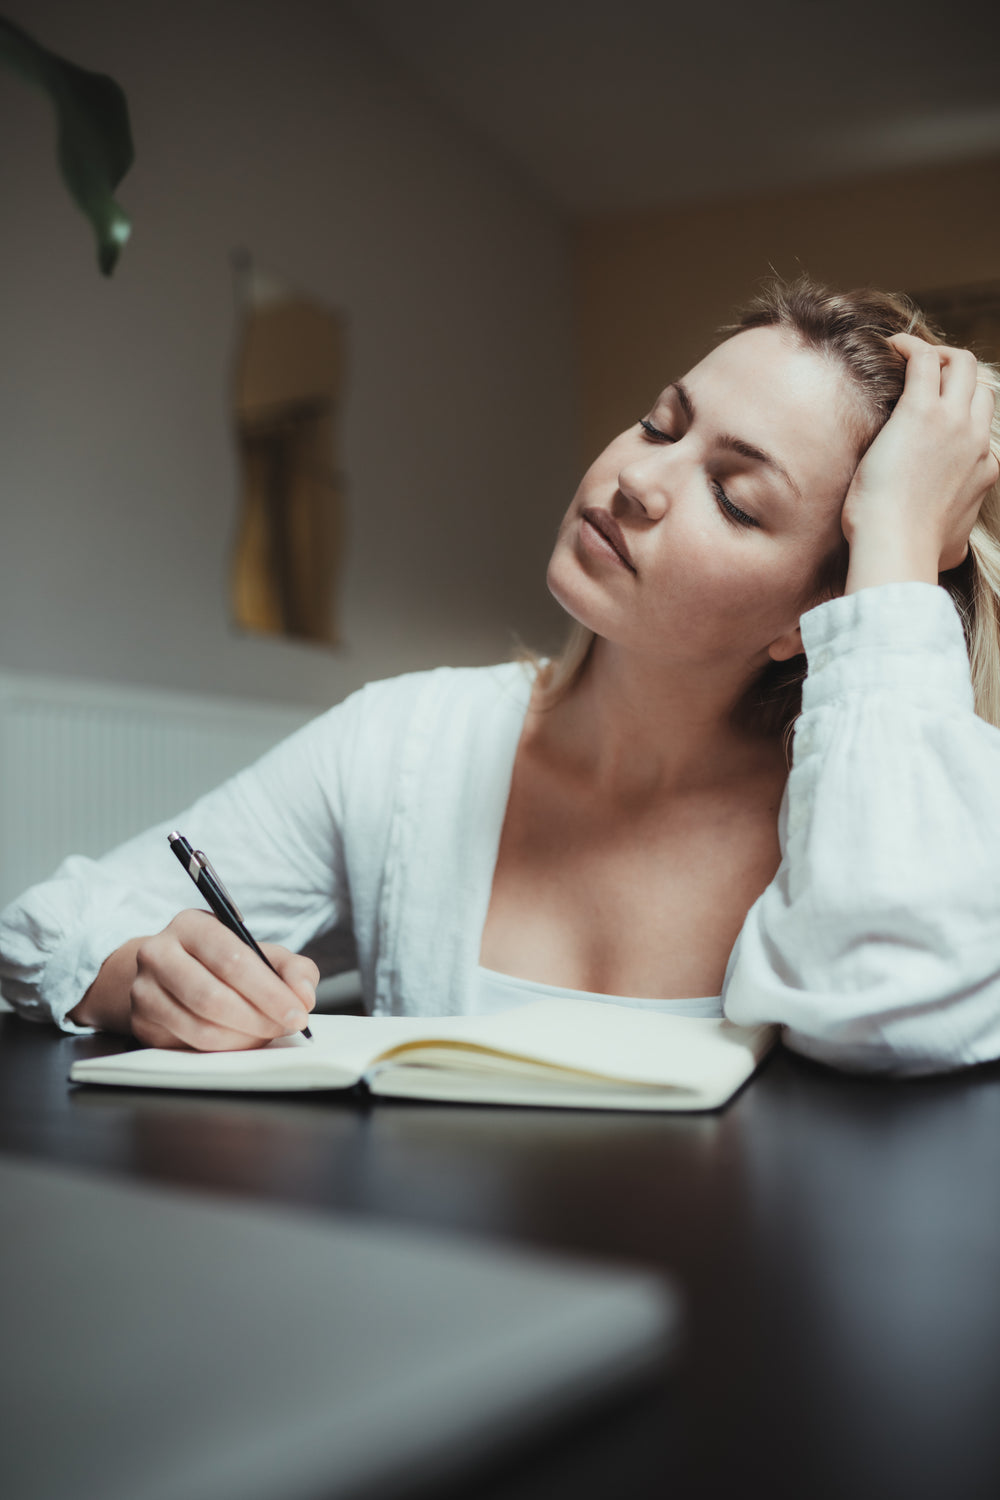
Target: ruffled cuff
point(54, 938)
point(898, 637)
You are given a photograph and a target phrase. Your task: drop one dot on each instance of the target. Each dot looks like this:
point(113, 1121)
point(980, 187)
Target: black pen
point(205, 878)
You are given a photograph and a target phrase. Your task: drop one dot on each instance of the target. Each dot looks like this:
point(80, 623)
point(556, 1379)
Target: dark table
point(836, 1239)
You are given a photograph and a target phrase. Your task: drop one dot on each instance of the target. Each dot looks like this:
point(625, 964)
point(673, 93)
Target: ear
point(786, 646)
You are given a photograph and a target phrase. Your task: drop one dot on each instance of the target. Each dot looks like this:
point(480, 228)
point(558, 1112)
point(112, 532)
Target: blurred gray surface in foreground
point(159, 1346)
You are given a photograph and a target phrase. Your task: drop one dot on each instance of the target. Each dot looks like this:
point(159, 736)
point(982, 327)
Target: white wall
point(279, 127)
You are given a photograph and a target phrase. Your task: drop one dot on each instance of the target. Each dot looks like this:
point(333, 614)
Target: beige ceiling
point(624, 104)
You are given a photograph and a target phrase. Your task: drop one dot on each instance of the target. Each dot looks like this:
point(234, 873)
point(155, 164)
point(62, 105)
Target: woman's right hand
point(195, 984)
point(917, 491)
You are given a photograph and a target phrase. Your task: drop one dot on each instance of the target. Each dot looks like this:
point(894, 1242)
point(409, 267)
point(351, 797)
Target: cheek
point(702, 557)
point(600, 482)
point(585, 492)
point(725, 581)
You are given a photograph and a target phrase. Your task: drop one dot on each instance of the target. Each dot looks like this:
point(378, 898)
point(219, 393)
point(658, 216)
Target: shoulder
point(445, 692)
point(450, 713)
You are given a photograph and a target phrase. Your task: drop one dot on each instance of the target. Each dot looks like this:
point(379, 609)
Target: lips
point(604, 522)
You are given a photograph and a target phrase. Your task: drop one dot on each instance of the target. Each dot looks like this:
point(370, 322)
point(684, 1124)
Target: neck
point(641, 728)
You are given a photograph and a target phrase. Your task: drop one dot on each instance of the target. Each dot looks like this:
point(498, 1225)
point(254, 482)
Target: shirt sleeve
point(877, 945)
point(275, 834)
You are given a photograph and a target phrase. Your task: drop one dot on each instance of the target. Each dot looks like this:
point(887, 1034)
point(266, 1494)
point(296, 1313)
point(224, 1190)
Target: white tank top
point(495, 992)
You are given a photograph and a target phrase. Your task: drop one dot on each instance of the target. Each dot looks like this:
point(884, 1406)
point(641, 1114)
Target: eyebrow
point(734, 444)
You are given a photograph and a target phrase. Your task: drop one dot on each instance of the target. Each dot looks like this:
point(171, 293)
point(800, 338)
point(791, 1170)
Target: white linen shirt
point(375, 829)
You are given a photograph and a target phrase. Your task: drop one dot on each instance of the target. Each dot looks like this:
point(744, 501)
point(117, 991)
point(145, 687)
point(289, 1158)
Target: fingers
point(239, 970)
point(959, 372)
point(168, 968)
point(953, 376)
point(928, 470)
point(297, 971)
point(923, 365)
point(200, 986)
point(162, 1022)
point(984, 402)
point(938, 369)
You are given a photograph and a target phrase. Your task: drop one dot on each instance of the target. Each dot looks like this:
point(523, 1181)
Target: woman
point(623, 823)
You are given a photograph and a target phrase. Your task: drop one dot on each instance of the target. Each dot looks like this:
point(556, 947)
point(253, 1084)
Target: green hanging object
point(94, 135)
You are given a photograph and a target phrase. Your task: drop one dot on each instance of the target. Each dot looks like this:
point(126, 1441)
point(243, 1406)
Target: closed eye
point(730, 511)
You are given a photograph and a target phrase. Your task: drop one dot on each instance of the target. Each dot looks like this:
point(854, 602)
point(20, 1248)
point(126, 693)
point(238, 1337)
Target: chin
point(568, 586)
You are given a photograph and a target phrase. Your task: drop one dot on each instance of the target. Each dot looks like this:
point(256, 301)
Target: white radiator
point(85, 765)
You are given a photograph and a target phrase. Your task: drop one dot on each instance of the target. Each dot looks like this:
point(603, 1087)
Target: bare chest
point(640, 904)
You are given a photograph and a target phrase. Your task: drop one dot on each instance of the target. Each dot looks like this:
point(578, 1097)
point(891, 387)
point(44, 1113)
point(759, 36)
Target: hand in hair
point(917, 492)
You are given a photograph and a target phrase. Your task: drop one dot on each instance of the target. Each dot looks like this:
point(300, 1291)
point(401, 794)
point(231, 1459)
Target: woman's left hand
point(917, 492)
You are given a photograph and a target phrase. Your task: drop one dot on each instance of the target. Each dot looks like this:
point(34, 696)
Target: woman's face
point(697, 534)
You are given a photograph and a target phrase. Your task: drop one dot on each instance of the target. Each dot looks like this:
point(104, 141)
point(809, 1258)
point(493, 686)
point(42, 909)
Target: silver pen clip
point(206, 864)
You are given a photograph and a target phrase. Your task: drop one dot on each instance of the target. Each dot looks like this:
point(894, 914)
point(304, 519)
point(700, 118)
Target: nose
point(643, 481)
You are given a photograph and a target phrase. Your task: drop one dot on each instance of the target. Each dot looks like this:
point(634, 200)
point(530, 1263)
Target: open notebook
point(573, 1053)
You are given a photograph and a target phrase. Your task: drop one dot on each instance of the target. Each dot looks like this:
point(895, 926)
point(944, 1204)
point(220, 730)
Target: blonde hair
point(852, 328)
